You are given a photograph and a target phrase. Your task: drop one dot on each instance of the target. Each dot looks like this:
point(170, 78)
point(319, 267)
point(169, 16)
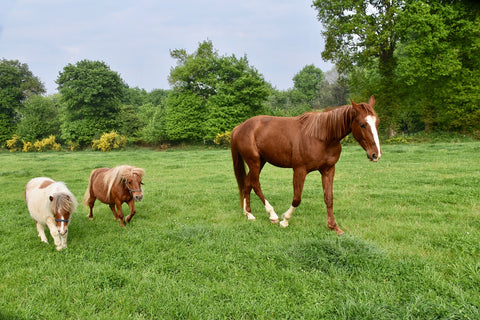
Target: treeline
point(420, 59)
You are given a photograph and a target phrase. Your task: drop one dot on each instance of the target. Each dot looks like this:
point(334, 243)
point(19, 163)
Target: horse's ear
point(51, 198)
point(355, 106)
point(371, 102)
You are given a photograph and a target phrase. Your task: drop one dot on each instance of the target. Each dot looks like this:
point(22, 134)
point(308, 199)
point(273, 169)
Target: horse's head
point(134, 185)
point(365, 128)
point(62, 207)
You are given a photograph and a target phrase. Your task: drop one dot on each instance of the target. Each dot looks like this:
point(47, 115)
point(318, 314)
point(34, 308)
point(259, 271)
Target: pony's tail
point(87, 192)
point(239, 168)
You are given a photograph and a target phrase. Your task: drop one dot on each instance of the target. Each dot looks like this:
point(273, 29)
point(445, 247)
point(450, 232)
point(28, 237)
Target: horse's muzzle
point(138, 197)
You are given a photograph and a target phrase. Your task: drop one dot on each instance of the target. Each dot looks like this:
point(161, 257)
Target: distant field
point(411, 248)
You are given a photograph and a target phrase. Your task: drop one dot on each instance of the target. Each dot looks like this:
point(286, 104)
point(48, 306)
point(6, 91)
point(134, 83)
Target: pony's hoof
point(275, 221)
point(251, 217)
point(59, 248)
point(284, 224)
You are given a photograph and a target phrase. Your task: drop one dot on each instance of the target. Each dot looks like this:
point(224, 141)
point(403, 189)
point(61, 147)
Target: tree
point(39, 118)
point(91, 94)
point(211, 93)
point(17, 83)
point(357, 31)
point(307, 81)
point(439, 63)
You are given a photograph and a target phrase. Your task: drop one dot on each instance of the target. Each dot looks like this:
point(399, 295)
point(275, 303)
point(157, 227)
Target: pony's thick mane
point(117, 174)
point(327, 124)
point(63, 200)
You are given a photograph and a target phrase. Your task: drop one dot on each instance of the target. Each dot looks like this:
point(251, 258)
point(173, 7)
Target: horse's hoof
point(274, 221)
point(251, 217)
point(284, 224)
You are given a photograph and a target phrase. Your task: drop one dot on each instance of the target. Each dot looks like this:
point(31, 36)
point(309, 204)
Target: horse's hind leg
point(41, 232)
point(253, 182)
point(91, 203)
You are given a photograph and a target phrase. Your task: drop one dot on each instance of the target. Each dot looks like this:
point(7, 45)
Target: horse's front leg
point(299, 175)
point(120, 215)
point(114, 211)
point(327, 183)
point(52, 226)
point(41, 232)
point(131, 205)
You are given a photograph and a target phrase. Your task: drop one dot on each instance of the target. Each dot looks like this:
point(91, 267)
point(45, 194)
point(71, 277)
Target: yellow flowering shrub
point(223, 138)
point(13, 144)
point(110, 141)
point(47, 144)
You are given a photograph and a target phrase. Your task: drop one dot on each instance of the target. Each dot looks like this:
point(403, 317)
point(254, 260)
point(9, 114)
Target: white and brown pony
point(114, 186)
point(50, 203)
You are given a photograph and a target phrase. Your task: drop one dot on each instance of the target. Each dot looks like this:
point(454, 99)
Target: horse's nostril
point(374, 156)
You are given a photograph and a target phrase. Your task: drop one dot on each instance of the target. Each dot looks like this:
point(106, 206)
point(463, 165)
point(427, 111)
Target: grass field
point(411, 248)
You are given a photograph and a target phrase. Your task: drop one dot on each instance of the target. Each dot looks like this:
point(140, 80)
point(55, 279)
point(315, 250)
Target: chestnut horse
point(114, 187)
point(305, 143)
point(50, 203)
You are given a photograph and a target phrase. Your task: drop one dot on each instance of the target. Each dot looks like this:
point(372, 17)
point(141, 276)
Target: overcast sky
point(279, 37)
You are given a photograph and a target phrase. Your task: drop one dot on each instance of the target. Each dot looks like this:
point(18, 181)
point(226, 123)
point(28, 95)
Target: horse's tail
point(86, 197)
point(239, 168)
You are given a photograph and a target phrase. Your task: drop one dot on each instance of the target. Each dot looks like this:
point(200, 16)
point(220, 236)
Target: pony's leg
point(63, 240)
point(54, 232)
point(299, 175)
point(327, 182)
point(41, 232)
point(112, 207)
point(91, 203)
point(131, 205)
point(118, 204)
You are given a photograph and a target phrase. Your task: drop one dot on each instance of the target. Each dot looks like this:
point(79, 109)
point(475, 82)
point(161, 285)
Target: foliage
point(39, 118)
point(109, 141)
point(442, 70)
point(307, 81)
point(14, 144)
point(213, 92)
point(223, 139)
point(91, 94)
point(17, 83)
point(410, 250)
point(47, 144)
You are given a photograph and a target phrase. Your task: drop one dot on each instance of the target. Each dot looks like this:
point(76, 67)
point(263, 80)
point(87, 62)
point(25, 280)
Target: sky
point(134, 37)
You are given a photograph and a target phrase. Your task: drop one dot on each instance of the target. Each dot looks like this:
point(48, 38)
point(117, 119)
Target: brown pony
point(114, 187)
point(305, 143)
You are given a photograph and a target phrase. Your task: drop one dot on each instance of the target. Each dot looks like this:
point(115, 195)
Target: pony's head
point(62, 206)
point(365, 128)
point(132, 177)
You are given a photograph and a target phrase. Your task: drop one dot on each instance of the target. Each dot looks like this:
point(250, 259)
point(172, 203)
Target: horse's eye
point(362, 125)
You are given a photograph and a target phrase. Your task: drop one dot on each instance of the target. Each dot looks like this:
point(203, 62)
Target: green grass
point(411, 249)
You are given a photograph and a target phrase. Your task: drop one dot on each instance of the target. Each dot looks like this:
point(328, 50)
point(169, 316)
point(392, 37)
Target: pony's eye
point(362, 125)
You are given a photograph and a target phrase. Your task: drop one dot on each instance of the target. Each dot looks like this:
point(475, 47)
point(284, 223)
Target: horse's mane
point(117, 174)
point(326, 124)
point(63, 200)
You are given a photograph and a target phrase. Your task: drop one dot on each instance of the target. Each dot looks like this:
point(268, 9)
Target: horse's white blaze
point(63, 225)
point(371, 120)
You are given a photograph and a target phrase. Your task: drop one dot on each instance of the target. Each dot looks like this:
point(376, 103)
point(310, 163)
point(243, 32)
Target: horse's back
point(98, 186)
point(270, 137)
